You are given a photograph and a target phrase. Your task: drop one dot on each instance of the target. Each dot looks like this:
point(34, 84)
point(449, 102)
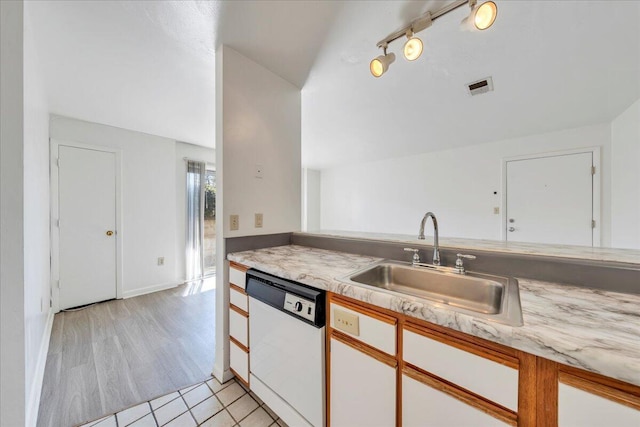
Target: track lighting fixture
point(380, 65)
point(412, 47)
point(481, 17)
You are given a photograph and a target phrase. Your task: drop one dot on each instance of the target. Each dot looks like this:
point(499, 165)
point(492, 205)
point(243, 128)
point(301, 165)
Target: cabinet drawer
point(577, 407)
point(375, 332)
point(239, 361)
point(237, 277)
point(239, 327)
point(239, 299)
point(423, 405)
point(489, 379)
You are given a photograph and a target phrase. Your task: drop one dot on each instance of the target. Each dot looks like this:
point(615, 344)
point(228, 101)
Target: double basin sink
point(486, 296)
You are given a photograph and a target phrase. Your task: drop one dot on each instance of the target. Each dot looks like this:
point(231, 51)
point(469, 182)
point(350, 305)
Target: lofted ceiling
point(149, 66)
point(555, 65)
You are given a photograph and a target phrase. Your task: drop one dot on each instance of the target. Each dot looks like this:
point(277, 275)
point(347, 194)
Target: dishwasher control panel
point(300, 307)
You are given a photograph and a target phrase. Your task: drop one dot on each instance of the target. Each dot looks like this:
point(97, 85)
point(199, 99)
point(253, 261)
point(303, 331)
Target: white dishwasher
point(287, 339)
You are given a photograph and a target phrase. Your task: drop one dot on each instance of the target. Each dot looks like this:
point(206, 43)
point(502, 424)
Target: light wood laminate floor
point(122, 352)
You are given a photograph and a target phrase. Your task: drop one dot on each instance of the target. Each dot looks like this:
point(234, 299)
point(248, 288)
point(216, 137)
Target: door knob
point(512, 229)
point(109, 233)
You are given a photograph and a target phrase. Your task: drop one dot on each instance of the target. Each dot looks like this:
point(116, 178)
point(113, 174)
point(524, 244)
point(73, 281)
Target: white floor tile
point(242, 407)
point(215, 385)
point(110, 421)
point(206, 409)
point(171, 410)
point(187, 389)
point(128, 416)
point(197, 395)
point(258, 418)
point(230, 394)
point(184, 420)
point(163, 400)
point(146, 421)
point(222, 419)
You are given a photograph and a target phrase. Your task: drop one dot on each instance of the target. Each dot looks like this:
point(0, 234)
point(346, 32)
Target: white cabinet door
point(424, 406)
point(363, 389)
point(578, 408)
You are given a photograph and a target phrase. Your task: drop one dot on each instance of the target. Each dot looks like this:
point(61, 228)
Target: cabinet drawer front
point(423, 405)
point(239, 299)
point(238, 278)
point(238, 327)
point(363, 389)
point(371, 331)
point(489, 379)
point(580, 408)
point(239, 361)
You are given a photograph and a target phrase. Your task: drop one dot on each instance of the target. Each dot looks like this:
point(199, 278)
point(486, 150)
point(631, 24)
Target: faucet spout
point(436, 247)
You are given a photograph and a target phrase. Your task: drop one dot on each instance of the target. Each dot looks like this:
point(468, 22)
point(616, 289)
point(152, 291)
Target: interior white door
point(550, 200)
point(87, 215)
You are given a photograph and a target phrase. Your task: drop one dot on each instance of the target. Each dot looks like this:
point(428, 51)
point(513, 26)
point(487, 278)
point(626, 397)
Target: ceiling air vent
point(480, 86)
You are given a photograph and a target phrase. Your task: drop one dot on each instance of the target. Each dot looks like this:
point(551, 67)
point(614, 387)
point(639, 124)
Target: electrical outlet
point(234, 221)
point(161, 260)
point(258, 220)
point(346, 322)
point(496, 210)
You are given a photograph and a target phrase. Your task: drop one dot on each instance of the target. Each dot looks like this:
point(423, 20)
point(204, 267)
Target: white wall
point(261, 127)
point(192, 152)
point(12, 331)
point(148, 200)
point(310, 199)
point(625, 179)
point(257, 123)
point(392, 195)
point(38, 315)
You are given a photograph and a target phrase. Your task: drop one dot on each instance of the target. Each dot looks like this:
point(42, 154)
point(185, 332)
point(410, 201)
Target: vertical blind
point(195, 220)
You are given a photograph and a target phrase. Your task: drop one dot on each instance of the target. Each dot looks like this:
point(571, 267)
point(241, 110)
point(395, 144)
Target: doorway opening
point(209, 222)
point(200, 221)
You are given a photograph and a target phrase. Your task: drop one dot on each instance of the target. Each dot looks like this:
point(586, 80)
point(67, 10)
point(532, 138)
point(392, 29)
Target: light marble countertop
point(595, 330)
point(625, 256)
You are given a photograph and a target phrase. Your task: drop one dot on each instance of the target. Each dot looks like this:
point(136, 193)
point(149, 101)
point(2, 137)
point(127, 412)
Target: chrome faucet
point(436, 247)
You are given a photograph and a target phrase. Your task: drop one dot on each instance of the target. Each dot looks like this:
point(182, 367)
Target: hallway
point(118, 353)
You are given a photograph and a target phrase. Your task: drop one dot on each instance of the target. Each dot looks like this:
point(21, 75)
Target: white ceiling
point(149, 66)
point(555, 65)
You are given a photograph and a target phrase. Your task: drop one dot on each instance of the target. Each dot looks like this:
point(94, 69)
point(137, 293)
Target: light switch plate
point(234, 222)
point(347, 322)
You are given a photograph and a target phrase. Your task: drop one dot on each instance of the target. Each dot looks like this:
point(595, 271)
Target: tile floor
point(207, 404)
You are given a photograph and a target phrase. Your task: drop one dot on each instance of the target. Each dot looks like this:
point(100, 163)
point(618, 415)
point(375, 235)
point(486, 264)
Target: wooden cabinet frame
point(538, 378)
point(243, 313)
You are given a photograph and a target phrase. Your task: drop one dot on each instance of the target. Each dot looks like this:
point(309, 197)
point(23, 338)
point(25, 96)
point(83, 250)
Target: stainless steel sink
point(491, 297)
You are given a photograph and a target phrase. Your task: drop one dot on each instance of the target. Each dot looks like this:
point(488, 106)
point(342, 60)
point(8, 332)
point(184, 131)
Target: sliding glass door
point(201, 221)
point(209, 222)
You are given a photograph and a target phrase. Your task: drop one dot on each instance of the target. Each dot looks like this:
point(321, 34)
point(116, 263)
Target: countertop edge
point(536, 339)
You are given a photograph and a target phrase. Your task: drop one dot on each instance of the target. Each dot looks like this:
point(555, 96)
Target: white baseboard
point(222, 375)
point(33, 405)
point(150, 289)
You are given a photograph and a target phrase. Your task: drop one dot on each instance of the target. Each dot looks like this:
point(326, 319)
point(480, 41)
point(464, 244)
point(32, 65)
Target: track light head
point(412, 47)
point(380, 65)
point(481, 16)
